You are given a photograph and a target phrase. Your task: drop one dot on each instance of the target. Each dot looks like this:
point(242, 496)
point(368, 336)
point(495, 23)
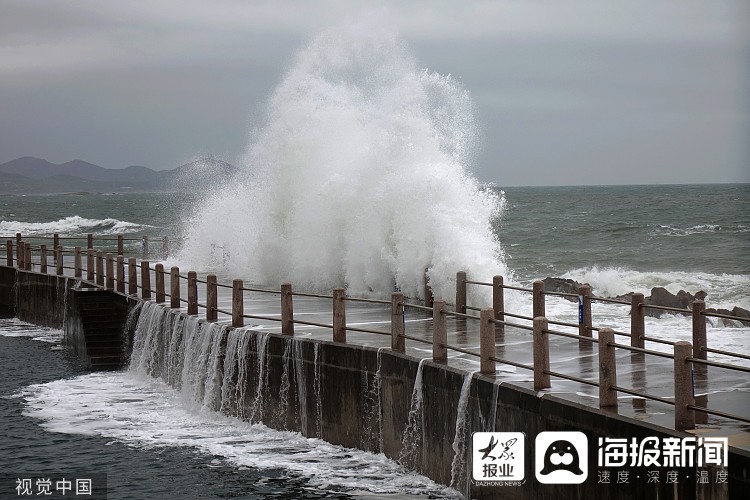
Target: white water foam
point(149, 414)
point(671, 327)
point(724, 290)
point(14, 327)
point(70, 225)
point(359, 178)
point(670, 230)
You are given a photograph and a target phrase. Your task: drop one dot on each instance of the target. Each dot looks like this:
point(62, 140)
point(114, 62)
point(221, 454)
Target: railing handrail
point(489, 318)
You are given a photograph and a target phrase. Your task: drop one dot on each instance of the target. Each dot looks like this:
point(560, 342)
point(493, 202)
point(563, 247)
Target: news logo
point(498, 457)
point(561, 457)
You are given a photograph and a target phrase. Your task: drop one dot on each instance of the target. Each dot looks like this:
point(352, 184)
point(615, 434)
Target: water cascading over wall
point(349, 395)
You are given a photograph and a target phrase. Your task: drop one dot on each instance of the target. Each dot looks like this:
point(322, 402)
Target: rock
point(730, 323)
point(627, 297)
point(562, 285)
point(742, 313)
point(660, 296)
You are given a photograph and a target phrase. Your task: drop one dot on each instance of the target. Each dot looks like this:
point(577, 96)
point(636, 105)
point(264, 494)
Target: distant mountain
point(29, 175)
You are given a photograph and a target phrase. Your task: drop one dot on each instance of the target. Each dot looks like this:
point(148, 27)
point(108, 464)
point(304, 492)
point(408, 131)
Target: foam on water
point(70, 225)
point(150, 414)
point(359, 177)
point(14, 327)
point(672, 327)
point(724, 290)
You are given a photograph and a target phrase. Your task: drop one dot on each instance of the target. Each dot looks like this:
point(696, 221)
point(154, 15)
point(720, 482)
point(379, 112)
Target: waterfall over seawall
point(343, 394)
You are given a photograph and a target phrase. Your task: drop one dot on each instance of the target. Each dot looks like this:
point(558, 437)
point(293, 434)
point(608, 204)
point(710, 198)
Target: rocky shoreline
point(659, 296)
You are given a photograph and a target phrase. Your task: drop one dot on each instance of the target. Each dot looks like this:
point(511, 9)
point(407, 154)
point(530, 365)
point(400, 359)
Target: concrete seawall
point(361, 397)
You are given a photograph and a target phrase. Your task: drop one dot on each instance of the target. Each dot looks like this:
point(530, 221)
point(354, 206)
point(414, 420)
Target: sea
point(147, 441)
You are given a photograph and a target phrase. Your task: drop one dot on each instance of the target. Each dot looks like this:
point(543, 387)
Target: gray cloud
point(570, 92)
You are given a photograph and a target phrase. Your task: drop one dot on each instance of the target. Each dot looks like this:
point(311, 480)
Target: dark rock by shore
point(736, 311)
point(659, 296)
point(562, 285)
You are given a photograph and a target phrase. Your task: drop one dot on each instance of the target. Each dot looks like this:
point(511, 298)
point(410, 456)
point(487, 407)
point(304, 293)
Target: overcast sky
point(566, 91)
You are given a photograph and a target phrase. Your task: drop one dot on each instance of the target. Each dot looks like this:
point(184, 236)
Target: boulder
point(732, 323)
point(660, 296)
point(562, 285)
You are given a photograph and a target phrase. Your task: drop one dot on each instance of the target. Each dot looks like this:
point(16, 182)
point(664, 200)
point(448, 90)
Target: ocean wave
point(70, 225)
point(670, 230)
point(724, 290)
point(360, 178)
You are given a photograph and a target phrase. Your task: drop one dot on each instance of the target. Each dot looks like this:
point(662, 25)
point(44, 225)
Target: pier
point(526, 373)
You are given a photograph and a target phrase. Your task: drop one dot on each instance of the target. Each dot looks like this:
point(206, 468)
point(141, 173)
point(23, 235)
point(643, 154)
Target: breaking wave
point(69, 225)
point(359, 178)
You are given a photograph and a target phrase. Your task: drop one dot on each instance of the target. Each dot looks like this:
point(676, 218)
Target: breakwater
point(421, 413)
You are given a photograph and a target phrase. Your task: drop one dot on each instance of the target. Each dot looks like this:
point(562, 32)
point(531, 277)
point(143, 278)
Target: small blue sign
point(580, 309)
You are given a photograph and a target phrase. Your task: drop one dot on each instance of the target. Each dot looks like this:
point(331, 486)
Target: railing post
point(211, 300)
point(159, 276)
point(144, 246)
point(538, 300)
point(27, 259)
point(164, 247)
point(584, 315)
point(110, 271)
point(9, 253)
point(428, 298)
point(120, 274)
point(238, 304)
point(607, 368)
point(287, 309)
point(192, 284)
point(461, 292)
point(22, 256)
point(174, 288)
point(55, 244)
point(498, 298)
point(89, 241)
point(487, 341)
point(132, 277)
point(637, 321)
point(145, 280)
point(684, 417)
point(90, 264)
point(59, 264)
point(43, 259)
point(19, 250)
point(398, 342)
point(541, 354)
point(339, 315)
point(699, 337)
point(100, 268)
point(120, 245)
point(439, 332)
point(77, 271)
